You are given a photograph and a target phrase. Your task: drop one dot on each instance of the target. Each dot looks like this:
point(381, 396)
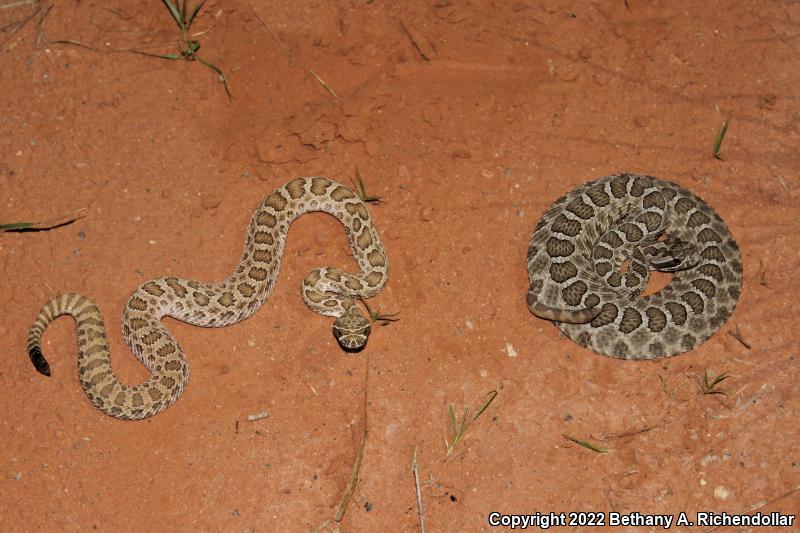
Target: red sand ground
point(469, 118)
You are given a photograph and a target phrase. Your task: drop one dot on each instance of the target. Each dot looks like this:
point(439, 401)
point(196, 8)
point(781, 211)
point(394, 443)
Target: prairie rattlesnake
point(591, 254)
point(328, 291)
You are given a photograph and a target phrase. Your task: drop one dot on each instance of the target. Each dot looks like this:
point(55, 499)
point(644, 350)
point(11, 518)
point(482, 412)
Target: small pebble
point(708, 459)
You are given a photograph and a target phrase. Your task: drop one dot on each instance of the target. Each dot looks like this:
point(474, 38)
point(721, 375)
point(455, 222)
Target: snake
point(328, 291)
point(592, 252)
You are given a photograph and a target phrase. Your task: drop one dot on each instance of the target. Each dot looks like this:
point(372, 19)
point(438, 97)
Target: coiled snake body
point(328, 291)
point(592, 252)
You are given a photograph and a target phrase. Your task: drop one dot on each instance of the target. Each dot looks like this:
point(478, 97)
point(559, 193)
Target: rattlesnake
point(328, 291)
point(591, 254)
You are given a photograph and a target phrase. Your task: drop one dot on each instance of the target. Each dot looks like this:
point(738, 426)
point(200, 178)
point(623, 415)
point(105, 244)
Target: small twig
point(42, 17)
point(139, 50)
point(761, 504)
point(664, 387)
point(420, 50)
point(73, 43)
point(19, 25)
point(736, 334)
point(12, 5)
point(286, 49)
point(201, 33)
point(452, 457)
point(353, 480)
point(629, 433)
point(148, 54)
point(289, 52)
point(420, 508)
point(258, 416)
point(327, 87)
point(762, 277)
point(43, 12)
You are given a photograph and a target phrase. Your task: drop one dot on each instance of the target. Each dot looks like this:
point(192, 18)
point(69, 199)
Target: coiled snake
point(591, 255)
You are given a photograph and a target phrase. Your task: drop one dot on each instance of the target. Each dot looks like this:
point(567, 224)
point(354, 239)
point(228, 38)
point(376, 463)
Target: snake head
point(672, 255)
point(352, 330)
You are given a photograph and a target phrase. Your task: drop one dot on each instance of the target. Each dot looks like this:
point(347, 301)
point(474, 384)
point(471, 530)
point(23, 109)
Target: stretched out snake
point(591, 255)
point(328, 291)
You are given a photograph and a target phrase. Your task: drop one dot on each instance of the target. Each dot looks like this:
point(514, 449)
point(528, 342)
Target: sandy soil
point(469, 119)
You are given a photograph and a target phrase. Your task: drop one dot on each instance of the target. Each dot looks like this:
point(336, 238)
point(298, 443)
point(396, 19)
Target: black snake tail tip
point(38, 360)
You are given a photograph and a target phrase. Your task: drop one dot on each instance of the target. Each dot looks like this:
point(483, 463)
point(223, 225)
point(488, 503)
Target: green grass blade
point(44, 225)
point(719, 379)
point(15, 225)
point(194, 12)
point(176, 15)
point(486, 404)
point(376, 316)
point(463, 423)
point(160, 56)
point(720, 136)
point(459, 430)
point(709, 387)
point(362, 189)
point(585, 444)
point(218, 71)
point(193, 47)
